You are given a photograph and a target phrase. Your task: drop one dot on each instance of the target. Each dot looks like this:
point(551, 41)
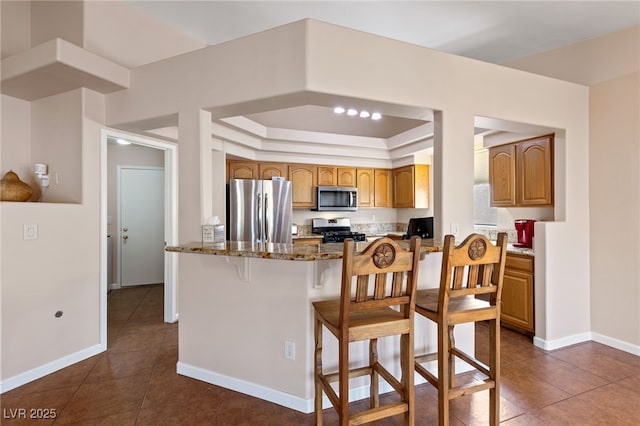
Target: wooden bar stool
point(474, 268)
point(372, 311)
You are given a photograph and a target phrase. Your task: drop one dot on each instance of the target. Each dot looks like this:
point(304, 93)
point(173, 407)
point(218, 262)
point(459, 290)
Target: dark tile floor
point(134, 383)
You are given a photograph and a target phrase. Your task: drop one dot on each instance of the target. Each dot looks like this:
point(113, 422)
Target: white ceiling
point(492, 31)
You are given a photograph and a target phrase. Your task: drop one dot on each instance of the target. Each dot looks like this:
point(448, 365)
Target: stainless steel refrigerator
point(260, 211)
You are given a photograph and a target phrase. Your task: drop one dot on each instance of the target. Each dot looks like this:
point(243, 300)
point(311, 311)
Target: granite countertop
point(520, 250)
point(286, 251)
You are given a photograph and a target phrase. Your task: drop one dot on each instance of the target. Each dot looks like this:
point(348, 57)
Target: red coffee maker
point(524, 231)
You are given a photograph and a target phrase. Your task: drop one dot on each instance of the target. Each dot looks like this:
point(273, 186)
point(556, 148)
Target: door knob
point(125, 237)
point(125, 229)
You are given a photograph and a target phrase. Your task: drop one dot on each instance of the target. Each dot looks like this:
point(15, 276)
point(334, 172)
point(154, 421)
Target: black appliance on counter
point(335, 230)
point(420, 226)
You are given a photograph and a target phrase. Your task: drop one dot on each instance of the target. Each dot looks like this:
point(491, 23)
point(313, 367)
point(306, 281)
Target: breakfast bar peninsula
point(246, 320)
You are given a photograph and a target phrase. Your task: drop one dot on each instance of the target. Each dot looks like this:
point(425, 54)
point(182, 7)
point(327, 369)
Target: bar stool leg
point(343, 379)
point(318, 369)
point(494, 368)
point(407, 379)
point(443, 374)
point(374, 398)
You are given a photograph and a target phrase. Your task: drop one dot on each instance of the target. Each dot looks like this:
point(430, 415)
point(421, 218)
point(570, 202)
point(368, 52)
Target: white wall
point(122, 32)
point(16, 134)
point(611, 66)
point(59, 271)
point(56, 140)
point(615, 210)
point(15, 26)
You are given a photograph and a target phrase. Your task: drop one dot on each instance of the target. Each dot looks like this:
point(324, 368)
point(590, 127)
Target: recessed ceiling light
point(123, 142)
point(352, 111)
point(364, 114)
point(338, 110)
point(376, 116)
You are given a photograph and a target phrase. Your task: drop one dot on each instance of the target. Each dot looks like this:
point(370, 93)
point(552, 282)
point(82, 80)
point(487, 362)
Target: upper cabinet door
point(304, 179)
point(383, 187)
point(242, 170)
point(347, 176)
point(535, 168)
point(411, 186)
point(327, 176)
point(269, 170)
point(403, 191)
point(502, 175)
point(365, 185)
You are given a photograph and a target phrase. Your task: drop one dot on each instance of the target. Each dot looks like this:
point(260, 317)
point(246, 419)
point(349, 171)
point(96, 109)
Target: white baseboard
point(550, 345)
point(281, 398)
point(50, 367)
point(615, 343)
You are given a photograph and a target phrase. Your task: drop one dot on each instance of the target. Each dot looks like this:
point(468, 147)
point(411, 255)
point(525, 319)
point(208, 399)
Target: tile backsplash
point(491, 232)
point(366, 228)
point(378, 228)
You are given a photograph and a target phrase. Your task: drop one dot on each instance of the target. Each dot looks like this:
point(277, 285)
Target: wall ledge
point(57, 66)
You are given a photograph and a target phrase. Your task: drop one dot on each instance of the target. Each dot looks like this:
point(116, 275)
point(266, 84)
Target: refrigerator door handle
point(266, 218)
point(259, 217)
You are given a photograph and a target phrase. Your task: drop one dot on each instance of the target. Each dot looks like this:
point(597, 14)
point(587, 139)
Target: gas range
point(335, 230)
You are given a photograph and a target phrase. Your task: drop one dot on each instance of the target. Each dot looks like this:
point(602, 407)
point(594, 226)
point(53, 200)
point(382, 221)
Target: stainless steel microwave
point(337, 198)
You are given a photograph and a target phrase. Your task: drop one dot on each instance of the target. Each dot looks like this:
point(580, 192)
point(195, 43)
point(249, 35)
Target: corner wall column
point(194, 130)
point(453, 172)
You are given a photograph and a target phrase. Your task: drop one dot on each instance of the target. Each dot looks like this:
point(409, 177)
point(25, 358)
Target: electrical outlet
point(289, 350)
point(30, 232)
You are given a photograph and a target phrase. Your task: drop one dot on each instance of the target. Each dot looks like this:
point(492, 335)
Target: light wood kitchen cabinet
point(521, 173)
point(347, 176)
point(411, 186)
point(365, 185)
point(242, 170)
point(535, 172)
point(307, 241)
point(502, 175)
point(327, 176)
point(269, 170)
point(304, 179)
point(517, 293)
point(383, 187)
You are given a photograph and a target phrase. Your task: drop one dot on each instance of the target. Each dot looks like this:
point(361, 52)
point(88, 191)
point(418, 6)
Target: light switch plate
point(30, 232)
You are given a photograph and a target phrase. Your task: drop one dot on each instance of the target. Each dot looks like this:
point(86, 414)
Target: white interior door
point(141, 196)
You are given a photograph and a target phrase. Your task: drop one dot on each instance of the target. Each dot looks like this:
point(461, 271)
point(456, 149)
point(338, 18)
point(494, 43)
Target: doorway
point(169, 218)
point(140, 225)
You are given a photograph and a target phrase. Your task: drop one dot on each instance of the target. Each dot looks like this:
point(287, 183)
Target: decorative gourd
point(13, 189)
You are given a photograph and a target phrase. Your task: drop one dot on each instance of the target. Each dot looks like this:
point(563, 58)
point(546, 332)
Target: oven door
point(335, 198)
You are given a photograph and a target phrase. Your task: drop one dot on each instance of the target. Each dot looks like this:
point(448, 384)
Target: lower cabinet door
point(517, 300)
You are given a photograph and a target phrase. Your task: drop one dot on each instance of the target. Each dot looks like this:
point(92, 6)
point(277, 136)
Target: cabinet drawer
point(522, 263)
